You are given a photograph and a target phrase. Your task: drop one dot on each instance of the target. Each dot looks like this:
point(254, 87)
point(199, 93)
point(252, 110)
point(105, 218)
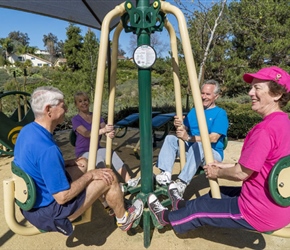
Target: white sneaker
point(157, 209)
point(180, 187)
point(133, 182)
point(163, 178)
point(133, 213)
point(122, 187)
point(174, 195)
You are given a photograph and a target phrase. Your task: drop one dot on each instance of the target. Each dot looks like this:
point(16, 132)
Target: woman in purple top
point(82, 124)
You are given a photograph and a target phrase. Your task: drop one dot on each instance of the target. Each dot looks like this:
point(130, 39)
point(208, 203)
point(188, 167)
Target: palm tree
point(7, 45)
point(50, 42)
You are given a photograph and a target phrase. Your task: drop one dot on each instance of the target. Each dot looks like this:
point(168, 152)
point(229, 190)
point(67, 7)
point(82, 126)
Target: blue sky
point(36, 26)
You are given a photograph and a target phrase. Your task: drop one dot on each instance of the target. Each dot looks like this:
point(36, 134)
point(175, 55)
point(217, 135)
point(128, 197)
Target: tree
point(27, 64)
point(60, 48)
point(155, 41)
point(208, 30)
point(213, 39)
point(121, 52)
point(2, 60)
point(260, 37)
point(50, 42)
point(7, 46)
point(261, 34)
point(26, 49)
point(20, 42)
point(73, 46)
point(22, 38)
point(31, 50)
point(89, 57)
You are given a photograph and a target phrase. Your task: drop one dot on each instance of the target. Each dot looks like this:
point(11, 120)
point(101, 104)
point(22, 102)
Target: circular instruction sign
point(144, 56)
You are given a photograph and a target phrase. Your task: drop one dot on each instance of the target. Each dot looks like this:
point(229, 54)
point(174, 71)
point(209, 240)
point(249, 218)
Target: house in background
point(36, 61)
point(121, 58)
point(41, 52)
point(59, 62)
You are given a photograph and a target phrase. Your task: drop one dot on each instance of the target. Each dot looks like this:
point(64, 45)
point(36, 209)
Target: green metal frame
point(14, 92)
point(143, 18)
point(121, 132)
point(10, 126)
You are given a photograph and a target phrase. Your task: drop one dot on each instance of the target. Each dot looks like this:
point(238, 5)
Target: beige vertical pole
point(118, 11)
point(177, 89)
point(112, 94)
point(168, 8)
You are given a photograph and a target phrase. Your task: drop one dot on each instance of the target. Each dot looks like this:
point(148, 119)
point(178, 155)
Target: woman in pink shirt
point(249, 206)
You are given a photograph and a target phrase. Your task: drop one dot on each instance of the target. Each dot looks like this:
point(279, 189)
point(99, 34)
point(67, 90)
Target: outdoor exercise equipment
point(142, 19)
point(20, 190)
point(122, 125)
point(15, 112)
point(129, 121)
point(162, 124)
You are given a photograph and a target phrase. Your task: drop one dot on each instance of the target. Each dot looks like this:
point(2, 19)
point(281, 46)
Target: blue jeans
point(194, 157)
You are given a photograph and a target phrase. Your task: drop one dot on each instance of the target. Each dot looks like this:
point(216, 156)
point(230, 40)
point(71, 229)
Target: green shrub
point(241, 120)
point(2, 61)
point(240, 114)
point(4, 77)
point(287, 108)
point(227, 105)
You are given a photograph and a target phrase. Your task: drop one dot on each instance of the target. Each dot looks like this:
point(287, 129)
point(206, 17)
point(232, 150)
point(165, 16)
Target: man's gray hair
point(215, 83)
point(43, 96)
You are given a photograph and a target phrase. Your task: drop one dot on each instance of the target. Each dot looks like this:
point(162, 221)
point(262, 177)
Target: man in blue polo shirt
point(188, 131)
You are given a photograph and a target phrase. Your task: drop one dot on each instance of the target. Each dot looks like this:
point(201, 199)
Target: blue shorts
point(53, 218)
point(206, 210)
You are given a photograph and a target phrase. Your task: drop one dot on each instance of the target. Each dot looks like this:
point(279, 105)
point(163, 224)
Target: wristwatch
point(189, 138)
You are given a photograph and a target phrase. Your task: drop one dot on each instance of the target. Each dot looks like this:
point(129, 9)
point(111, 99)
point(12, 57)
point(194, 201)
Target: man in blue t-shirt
point(64, 189)
point(188, 131)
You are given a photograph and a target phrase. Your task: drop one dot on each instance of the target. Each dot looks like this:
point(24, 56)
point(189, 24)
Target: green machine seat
point(21, 190)
point(279, 182)
point(25, 196)
point(72, 137)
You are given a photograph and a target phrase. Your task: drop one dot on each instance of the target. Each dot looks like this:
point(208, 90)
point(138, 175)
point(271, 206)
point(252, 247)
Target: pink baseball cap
point(272, 73)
